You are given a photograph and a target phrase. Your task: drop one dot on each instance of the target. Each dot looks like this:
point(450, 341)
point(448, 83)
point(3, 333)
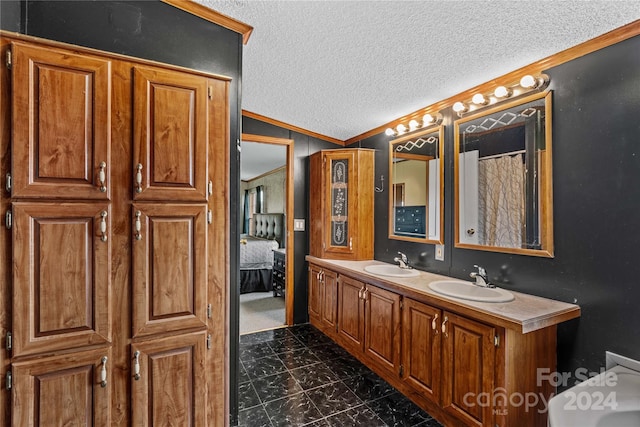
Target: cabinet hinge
point(209, 217)
point(209, 342)
point(8, 220)
point(496, 340)
point(9, 60)
point(210, 92)
point(210, 188)
point(401, 304)
point(208, 311)
point(401, 372)
point(9, 342)
point(8, 380)
point(8, 183)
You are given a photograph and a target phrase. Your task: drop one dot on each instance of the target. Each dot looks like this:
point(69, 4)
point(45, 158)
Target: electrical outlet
point(440, 252)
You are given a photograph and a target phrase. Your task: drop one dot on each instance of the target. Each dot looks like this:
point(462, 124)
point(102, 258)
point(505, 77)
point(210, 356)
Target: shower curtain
point(501, 201)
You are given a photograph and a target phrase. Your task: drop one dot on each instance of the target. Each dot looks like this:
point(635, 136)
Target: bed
point(256, 252)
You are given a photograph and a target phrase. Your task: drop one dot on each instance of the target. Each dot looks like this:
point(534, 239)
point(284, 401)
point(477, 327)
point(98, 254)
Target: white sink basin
point(470, 291)
point(391, 270)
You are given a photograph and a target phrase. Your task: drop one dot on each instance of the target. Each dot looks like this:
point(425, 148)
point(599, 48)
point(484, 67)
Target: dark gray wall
point(596, 202)
point(160, 32)
point(303, 146)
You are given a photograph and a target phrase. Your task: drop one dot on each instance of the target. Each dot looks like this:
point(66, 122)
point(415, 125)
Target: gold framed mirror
point(416, 169)
point(503, 178)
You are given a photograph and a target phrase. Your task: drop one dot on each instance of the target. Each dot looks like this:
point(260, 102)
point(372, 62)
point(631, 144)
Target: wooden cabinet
point(170, 135)
point(112, 260)
point(369, 322)
point(60, 124)
point(461, 367)
point(468, 369)
point(171, 387)
point(421, 344)
point(69, 389)
point(323, 295)
point(341, 224)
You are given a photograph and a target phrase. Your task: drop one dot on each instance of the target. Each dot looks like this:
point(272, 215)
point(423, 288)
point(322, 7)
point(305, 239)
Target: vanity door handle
point(136, 365)
point(139, 178)
point(138, 226)
point(103, 226)
point(103, 372)
point(444, 326)
point(102, 177)
point(433, 323)
point(471, 232)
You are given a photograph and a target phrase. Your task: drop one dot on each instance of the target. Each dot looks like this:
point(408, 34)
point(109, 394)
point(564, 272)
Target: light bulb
point(529, 82)
point(401, 128)
point(479, 99)
point(502, 92)
point(428, 119)
point(390, 132)
point(413, 125)
point(459, 107)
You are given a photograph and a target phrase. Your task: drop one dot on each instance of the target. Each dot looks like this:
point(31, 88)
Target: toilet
point(610, 399)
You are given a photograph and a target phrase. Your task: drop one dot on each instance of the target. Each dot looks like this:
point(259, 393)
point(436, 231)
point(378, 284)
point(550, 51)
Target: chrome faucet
point(482, 279)
point(402, 260)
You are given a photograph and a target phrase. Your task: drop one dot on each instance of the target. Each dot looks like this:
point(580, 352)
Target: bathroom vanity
point(467, 363)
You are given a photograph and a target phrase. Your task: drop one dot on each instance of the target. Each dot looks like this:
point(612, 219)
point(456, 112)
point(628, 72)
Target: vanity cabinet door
point(382, 328)
point(468, 369)
point(315, 302)
point(351, 313)
point(421, 341)
point(329, 299)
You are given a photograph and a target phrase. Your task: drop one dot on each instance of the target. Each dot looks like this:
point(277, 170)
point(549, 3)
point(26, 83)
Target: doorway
point(263, 310)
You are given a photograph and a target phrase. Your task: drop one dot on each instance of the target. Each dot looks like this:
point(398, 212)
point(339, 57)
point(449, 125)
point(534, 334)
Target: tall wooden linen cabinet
point(341, 206)
point(116, 202)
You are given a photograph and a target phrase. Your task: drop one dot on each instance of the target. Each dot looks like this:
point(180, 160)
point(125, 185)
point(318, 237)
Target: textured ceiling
point(342, 68)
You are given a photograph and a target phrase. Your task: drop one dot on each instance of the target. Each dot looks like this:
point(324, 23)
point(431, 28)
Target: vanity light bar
point(526, 84)
point(427, 120)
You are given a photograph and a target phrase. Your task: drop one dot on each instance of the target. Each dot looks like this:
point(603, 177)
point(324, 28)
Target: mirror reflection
point(503, 178)
point(415, 199)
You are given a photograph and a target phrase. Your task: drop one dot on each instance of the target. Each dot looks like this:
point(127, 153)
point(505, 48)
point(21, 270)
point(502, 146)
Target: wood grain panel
point(170, 134)
point(329, 302)
point(170, 280)
point(468, 370)
point(421, 347)
point(172, 388)
point(315, 300)
point(62, 276)
point(382, 328)
point(350, 313)
point(62, 391)
point(61, 118)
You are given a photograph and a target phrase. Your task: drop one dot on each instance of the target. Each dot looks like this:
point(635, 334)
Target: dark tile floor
point(297, 376)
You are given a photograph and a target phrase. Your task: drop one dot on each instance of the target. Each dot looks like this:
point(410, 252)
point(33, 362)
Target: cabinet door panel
point(341, 214)
point(62, 274)
point(170, 135)
point(468, 369)
point(329, 295)
point(421, 347)
point(61, 124)
point(315, 287)
point(382, 333)
point(170, 275)
point(171, 389)
point(350, 313)
point(62, 390)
